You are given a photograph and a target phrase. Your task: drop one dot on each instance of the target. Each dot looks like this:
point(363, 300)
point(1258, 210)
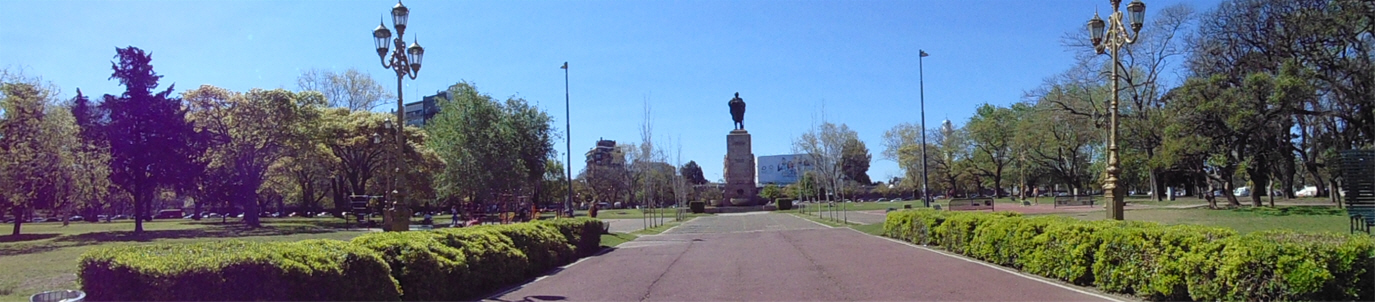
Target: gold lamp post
point(406, 62)
point(1110, 37)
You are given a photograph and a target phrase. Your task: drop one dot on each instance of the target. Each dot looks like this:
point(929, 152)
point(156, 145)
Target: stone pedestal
point(739, 170)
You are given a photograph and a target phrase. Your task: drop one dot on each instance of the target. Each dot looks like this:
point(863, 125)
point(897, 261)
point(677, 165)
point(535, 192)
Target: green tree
point(489, 147)
point(854, 161)
point(152, 145)
point(693, 173)
point(771, 192)
point(29, 162)
point(991, 133)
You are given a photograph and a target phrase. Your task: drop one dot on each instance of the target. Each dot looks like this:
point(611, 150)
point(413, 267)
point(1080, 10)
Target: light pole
point(568, 141)
point(1110, 38)
point(921, 81)
point(406, 63)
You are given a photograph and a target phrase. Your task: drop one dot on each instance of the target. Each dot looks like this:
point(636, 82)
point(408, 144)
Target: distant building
point(417, 113)
point(606, 154)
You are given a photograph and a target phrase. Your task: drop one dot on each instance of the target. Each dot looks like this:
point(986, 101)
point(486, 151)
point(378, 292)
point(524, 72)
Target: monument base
point(741, 201)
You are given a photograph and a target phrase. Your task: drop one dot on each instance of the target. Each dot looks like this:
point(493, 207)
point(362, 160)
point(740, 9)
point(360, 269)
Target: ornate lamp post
point(1110, 37)
point(406, 62)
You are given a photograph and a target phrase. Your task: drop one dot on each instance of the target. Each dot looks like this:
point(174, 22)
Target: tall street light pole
point(568, 141)
point(1111, 37)
point(925, 194)
point(406, 62)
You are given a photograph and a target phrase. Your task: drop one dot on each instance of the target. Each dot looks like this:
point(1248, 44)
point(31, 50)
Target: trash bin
point(65, 295)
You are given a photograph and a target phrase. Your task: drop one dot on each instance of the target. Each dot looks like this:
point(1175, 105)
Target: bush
point(545, 247)
point(698, 207)
point(1156, 262)
point(426, 268)
point(314, 270)
point(784, 204)
point(1281, 265)
point(583, 233)
point(1181, 262)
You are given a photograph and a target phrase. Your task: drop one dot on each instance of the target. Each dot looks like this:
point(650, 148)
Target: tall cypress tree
point(152, 145)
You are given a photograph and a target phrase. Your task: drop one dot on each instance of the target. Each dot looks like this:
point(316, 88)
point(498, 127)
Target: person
point(454, 210)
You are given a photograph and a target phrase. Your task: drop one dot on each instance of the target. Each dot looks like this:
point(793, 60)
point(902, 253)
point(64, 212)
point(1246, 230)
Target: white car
point(1308, 191)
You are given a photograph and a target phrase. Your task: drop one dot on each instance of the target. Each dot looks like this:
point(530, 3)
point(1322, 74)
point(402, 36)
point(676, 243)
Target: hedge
point(444, 264)
point(235, 270)
point(1153, 261)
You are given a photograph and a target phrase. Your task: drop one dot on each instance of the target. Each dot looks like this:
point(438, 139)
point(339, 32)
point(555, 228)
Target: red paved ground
point(788, 259)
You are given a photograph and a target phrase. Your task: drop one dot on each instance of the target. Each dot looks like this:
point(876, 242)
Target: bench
point(1075, 200)
point(970, 204)
point(1362, 217)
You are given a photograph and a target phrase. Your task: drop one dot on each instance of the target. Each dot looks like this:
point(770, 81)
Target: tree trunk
point(1156, 186)
point(18, 220)
point(1336, 195)
point(139, 203)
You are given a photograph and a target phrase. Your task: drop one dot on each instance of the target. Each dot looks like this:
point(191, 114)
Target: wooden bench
point(970, 204)
point(1075, 200)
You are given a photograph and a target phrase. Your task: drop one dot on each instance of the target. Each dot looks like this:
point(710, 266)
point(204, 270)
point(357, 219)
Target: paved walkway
point(779, 257)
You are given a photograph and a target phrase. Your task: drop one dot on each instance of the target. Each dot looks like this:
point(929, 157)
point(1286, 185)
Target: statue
point(737, 111)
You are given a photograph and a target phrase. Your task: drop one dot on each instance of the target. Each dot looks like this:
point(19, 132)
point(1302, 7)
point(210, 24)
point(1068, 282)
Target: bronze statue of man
point(737, 111)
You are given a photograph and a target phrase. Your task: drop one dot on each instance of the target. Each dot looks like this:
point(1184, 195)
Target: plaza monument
point(739, 171)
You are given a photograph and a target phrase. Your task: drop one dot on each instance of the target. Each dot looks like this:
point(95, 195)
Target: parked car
point(119, 217)
point(169, 214)
point(76, 218)
point(1308, 191)
point(1242, 191)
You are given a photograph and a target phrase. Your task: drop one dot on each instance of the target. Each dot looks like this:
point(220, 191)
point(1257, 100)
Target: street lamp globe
point(398, 17)
point(1137, 14)
point(386, 124)
point(1096, 29)
point(381, 36)
point(416, 54)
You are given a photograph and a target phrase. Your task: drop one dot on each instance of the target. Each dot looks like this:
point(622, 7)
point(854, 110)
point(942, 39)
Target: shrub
point(1154, 261)
point(545, 247)
point(959, 228)
point(1010, 240)
point(915, 226)
point(1282, 265)
point(426, 268)
point(1066, 250)
point(583, 233)
point(315, 270)
point(698, 207)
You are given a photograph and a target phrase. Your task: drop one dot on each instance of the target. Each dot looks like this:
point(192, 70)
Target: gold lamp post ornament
point(406, 62)
point(1110, 37)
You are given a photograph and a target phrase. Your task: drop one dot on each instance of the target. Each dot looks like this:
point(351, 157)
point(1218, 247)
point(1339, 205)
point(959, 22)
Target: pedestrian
point(454, 210)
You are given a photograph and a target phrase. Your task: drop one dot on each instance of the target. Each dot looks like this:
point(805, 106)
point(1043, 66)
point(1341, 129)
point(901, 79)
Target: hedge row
point(445, 264)
point(1153, 261)
point(236, 271)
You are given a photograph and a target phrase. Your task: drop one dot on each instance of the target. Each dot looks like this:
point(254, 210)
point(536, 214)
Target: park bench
point(1358, 173)
point(1075, 200)
point(970, 204)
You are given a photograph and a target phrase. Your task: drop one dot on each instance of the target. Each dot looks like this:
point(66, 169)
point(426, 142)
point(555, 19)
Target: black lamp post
point(406, 62)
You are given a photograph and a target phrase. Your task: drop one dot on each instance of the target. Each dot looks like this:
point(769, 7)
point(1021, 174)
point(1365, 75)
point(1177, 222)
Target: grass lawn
point(633, 213)
point(1244, 220)
point(44, 256)
point(871, 229)
point(614, 239)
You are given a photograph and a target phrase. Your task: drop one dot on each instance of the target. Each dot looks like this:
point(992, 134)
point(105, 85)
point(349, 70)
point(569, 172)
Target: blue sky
point(787, 59)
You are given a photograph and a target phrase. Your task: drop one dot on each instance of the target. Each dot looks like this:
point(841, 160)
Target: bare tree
point(351, 89)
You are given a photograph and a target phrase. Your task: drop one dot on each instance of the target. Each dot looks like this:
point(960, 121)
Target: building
point(782, 169)
point(417, 113)
point(606, 154)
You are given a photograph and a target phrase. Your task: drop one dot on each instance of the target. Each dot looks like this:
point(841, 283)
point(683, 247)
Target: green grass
point(871, 229)
point(1244, 220)
point(826, 221)
point(658, 229)
point(44, 256)
point(615, 239)
point(633, 213)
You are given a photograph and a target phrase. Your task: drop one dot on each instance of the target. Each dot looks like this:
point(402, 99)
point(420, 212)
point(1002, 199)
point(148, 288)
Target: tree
point(991, 133)
point(91, 157)
point(351, 89)
point(693, 173)
point(771, 192)
point(27, 163)
point(854, 161)
point(555, 184)
point(249, 132)
point(489, 147)
point(824, 146)
point(152, 145)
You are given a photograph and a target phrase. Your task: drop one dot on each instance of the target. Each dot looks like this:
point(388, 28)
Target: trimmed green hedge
point(698, 207)
point(311, 270)
point(445, 264)
point(584, 233)
point(1153, 261)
